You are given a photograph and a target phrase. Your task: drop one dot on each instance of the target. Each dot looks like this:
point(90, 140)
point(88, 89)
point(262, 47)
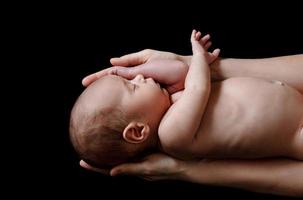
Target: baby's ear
point(136, 132)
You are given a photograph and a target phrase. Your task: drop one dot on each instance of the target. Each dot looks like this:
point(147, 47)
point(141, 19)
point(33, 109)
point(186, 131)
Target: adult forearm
point(275, 176)
point(288, 69)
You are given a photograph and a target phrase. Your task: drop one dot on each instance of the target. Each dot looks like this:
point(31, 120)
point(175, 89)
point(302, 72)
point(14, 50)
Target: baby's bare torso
point(249, 118)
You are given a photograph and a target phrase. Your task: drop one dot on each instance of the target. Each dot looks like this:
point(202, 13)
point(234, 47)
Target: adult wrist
point(197, 172)
point(182, 169)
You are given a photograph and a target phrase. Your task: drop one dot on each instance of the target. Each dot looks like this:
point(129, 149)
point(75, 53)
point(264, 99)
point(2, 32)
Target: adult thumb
point(131, 59)
point(127, 169)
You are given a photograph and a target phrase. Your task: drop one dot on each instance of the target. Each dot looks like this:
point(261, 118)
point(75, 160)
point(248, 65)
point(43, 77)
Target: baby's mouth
point(161, 86)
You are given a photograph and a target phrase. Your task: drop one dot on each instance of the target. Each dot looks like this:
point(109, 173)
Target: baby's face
point(139, 95)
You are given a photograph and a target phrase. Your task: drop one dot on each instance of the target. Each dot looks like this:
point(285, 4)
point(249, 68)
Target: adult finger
point(132, 59)
point(116, 70)
point(91, 168)
point(86, 81)
point(128, 169)
point(125, 72)
point(93, 77)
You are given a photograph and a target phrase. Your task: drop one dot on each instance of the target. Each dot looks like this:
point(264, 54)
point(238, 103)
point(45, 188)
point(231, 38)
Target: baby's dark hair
point(97, 136)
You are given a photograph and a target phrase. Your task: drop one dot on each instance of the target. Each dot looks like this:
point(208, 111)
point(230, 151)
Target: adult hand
point(153, 167)
point(258, 175)
point(141, 57)
point(170, 73)
point(149, 54)
point(130, 65)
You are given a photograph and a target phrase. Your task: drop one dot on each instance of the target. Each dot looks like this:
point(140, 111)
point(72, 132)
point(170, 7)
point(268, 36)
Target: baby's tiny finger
point(198, 35)
point(207, 45)
point(216, 52)
point(193, 34)
point(204, 39)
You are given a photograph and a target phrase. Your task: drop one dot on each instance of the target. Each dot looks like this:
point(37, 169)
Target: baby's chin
point(168, 96)
point(165, 92)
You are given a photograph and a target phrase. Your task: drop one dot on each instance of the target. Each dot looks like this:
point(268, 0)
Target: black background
point(72, 41)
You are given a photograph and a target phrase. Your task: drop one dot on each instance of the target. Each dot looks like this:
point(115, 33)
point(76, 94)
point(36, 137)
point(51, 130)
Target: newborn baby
point(116, 120)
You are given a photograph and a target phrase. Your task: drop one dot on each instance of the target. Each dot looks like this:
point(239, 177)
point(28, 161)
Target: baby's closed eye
point(133, 86)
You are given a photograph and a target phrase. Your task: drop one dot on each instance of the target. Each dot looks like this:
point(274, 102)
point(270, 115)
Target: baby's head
point(115, 120)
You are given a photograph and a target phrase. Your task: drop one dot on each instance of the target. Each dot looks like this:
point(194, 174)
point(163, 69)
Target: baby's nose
point(139, 78)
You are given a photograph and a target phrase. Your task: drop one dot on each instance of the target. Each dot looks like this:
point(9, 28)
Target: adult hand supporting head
point(150, 63)
point(170, 73)
point(153, 167)
point(135, 60)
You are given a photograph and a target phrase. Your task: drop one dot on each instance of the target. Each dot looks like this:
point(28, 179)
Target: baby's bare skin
point(250, 118)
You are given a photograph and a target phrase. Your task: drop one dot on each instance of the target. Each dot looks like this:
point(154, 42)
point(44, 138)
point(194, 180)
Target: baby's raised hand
point(200, 47)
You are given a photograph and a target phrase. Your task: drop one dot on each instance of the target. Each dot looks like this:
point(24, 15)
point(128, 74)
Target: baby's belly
point(249, 118)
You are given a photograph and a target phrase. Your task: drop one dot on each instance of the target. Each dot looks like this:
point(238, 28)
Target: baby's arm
point(179, 125)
